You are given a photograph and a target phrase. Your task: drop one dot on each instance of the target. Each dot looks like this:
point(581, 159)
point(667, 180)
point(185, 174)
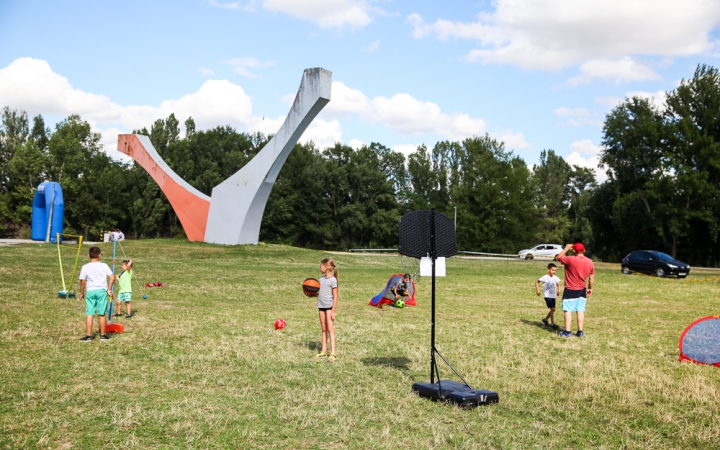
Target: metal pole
point(455, 218)
point(112, 299)
point(113, 261)
point(62, 275)
point(52, 205)
point(432, 321)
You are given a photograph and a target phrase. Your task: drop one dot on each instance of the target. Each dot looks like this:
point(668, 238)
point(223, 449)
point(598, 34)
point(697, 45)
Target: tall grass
point(200, 365)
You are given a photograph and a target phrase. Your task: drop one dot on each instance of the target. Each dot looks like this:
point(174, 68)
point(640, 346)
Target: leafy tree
point(89, 178)
point(299, 210)
point(494, 197)
point(661, 165)
point(13, 136)
point(552, 197)
point(364, 207)
point(581, 184)
point(693, 113)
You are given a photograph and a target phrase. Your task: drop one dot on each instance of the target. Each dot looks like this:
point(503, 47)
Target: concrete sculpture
point(233, 213)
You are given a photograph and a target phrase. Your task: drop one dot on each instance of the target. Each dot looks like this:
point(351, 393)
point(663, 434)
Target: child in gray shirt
point(327, 304)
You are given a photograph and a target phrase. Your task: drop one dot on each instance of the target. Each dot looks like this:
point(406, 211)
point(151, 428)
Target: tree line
point(663, 163)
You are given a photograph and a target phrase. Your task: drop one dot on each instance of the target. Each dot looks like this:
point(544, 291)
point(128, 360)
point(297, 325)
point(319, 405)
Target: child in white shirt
point(551, 288)
point(95, 276)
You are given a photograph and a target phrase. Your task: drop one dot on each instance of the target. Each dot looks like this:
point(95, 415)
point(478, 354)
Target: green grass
point(200, 365)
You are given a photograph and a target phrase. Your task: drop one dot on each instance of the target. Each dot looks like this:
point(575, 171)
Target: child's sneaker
point(554, 326)
point(545, 321)
point(580, 334)
point(104, 337)
point(565, 334)
point(86, 339)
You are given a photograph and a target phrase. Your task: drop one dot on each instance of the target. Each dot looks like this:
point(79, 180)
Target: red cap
point(578, 247)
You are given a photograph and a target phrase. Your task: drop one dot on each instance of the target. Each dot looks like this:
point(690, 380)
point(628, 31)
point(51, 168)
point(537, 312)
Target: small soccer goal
point(70, 245)
point(700, 342)
point(411, 266)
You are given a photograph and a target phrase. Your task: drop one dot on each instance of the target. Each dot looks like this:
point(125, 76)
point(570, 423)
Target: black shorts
point(325, 309)
point(550, 302)
point(572, 294)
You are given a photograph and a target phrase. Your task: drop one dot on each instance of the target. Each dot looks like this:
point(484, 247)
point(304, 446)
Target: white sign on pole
point(426, 267)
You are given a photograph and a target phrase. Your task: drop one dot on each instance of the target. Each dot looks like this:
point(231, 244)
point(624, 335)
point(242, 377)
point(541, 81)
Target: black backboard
point(415, 234)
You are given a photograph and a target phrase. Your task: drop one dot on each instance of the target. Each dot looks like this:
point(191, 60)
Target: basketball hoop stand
point(413, 242)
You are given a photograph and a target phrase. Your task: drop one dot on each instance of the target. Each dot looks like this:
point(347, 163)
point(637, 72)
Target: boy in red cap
point(579, 279)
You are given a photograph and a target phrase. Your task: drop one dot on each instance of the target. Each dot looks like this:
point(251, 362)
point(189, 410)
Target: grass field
point(200, 365)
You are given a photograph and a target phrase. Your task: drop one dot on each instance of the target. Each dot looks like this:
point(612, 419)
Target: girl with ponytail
point(327, 305)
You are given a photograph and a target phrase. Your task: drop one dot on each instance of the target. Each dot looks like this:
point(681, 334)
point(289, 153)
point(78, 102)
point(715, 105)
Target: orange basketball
point(311, 287)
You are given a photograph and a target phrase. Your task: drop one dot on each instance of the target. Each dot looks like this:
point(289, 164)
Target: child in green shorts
point(125, 281)
point(94, 276)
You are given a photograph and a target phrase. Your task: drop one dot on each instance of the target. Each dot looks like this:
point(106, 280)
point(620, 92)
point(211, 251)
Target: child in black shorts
point(551, 289)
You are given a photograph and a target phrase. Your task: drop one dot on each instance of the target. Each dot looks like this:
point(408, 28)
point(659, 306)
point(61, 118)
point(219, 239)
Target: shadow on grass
point(315, 346)
point(393, 362)
point(541, 325)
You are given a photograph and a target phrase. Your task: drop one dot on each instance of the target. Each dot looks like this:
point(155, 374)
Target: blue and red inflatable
point(387, 297)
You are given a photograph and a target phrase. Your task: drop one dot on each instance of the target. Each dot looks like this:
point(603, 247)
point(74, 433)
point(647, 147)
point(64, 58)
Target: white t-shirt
point(95, 274)
point(550, 285)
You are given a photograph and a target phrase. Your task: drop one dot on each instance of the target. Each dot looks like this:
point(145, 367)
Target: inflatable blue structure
point(48, 212)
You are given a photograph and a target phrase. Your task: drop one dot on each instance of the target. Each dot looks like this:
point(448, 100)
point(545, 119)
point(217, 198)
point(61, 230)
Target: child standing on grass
point(327, 304)
point(125, 293)
point(94, 276)
point(551, 288)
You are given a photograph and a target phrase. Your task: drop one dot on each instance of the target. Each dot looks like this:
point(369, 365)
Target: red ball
point(280, 324)
point(311, 287)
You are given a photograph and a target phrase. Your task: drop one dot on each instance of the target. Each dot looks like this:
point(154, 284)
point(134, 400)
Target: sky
point(535, 74)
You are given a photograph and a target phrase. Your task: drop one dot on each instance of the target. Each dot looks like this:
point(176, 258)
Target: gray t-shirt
point(325, 296)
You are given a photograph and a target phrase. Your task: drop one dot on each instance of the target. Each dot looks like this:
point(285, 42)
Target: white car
point(542, 250)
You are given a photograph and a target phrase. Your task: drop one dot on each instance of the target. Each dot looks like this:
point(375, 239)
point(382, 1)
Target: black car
point(650, 261)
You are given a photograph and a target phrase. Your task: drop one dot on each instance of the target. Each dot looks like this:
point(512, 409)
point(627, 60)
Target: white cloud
point(206, 72)
point(658, 98)
point(109, 142)
point(345, 101)
point(407, 115)
point(241, 65)
point(623, 70)
point(551, 34)
point(356, 144)
point(586, 147)
point(586, 154)
point(324, 133)
point(402, 113)
point(326, 13)
point(569, 112)
point(265, 125)
point(372, 47)
point(512, 141)
point(575, 117)
point(31, 85)
point(405, 149)
point(233, 5)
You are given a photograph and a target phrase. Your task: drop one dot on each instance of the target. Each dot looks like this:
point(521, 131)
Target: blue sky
point(537, 74)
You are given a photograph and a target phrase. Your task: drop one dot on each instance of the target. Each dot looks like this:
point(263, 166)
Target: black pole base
point(459, 394)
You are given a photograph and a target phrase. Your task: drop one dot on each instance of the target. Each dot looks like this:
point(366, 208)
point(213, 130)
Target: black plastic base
point(456, 393)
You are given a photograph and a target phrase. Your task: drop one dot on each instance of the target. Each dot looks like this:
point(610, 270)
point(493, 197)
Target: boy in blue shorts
point(579, 280)
point(551, 289)
point(94, 276)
